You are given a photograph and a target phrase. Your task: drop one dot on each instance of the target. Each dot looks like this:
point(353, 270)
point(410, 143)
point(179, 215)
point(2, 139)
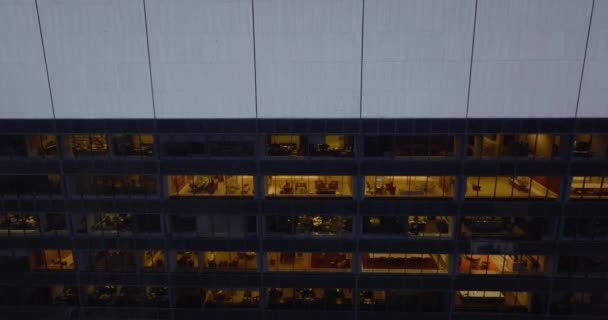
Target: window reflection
point(427, 146)
point(31, 146)
point(413, 226)
point(493, 301)
point(310, 298)
point(309, 261)
point(86, 145)
point(133, 185)
point(512, 187)
point(19, 223)
point(64, 295)
point(507, 227)
point(529, 145)
point(221, 226)
point(52, 260)
point(403, 301)
point(108, 223)
point(404, 263)
point(30, 185)
point(583, 265)
point(229, 261)
point(205, 186)
point(315, 225)
point(502, 264)
point(589, 188)
point(409, 186)
point(197, 146)
point(310, 145)
point(124, 296)
point(586, 228)
point(309, 186)
point(16, 260)
point(124, 145)
point(583, 303)
point(111, 261)
point(231, 298)
point(590, 146)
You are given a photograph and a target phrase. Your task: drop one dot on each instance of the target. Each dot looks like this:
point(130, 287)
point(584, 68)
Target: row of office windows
point(525, 145)
point(379, 300)
point(534, 187)
point(324, 262)
point(310, 225)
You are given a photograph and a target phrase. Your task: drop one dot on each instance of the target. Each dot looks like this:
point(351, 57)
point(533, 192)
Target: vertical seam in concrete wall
point(580, 85)
point(255, 75)
point(471, 63)
point(46, 67)
point(361, 69)
point(149, 61)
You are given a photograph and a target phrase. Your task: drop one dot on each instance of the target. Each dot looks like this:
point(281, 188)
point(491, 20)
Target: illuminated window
point(229, 261)
point(51, 260)
point(409, 186)
point(186, 261)
point(309, 186)
point(502, 264)
point(310, 145)
point(512, 187)
point(589, 188)
point(86, 145)
point(207, 186)
point(153, 260)
point(309, 261)
point(404, 263)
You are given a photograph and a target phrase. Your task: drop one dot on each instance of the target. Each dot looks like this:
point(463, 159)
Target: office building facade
point(368, 159)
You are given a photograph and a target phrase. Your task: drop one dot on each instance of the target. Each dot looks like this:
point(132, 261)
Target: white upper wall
point(528, 57)
point(202, 58)
point(97, 58)
point(594, 90)
point(416, 58)
point(24, 90)
point(308, 58)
